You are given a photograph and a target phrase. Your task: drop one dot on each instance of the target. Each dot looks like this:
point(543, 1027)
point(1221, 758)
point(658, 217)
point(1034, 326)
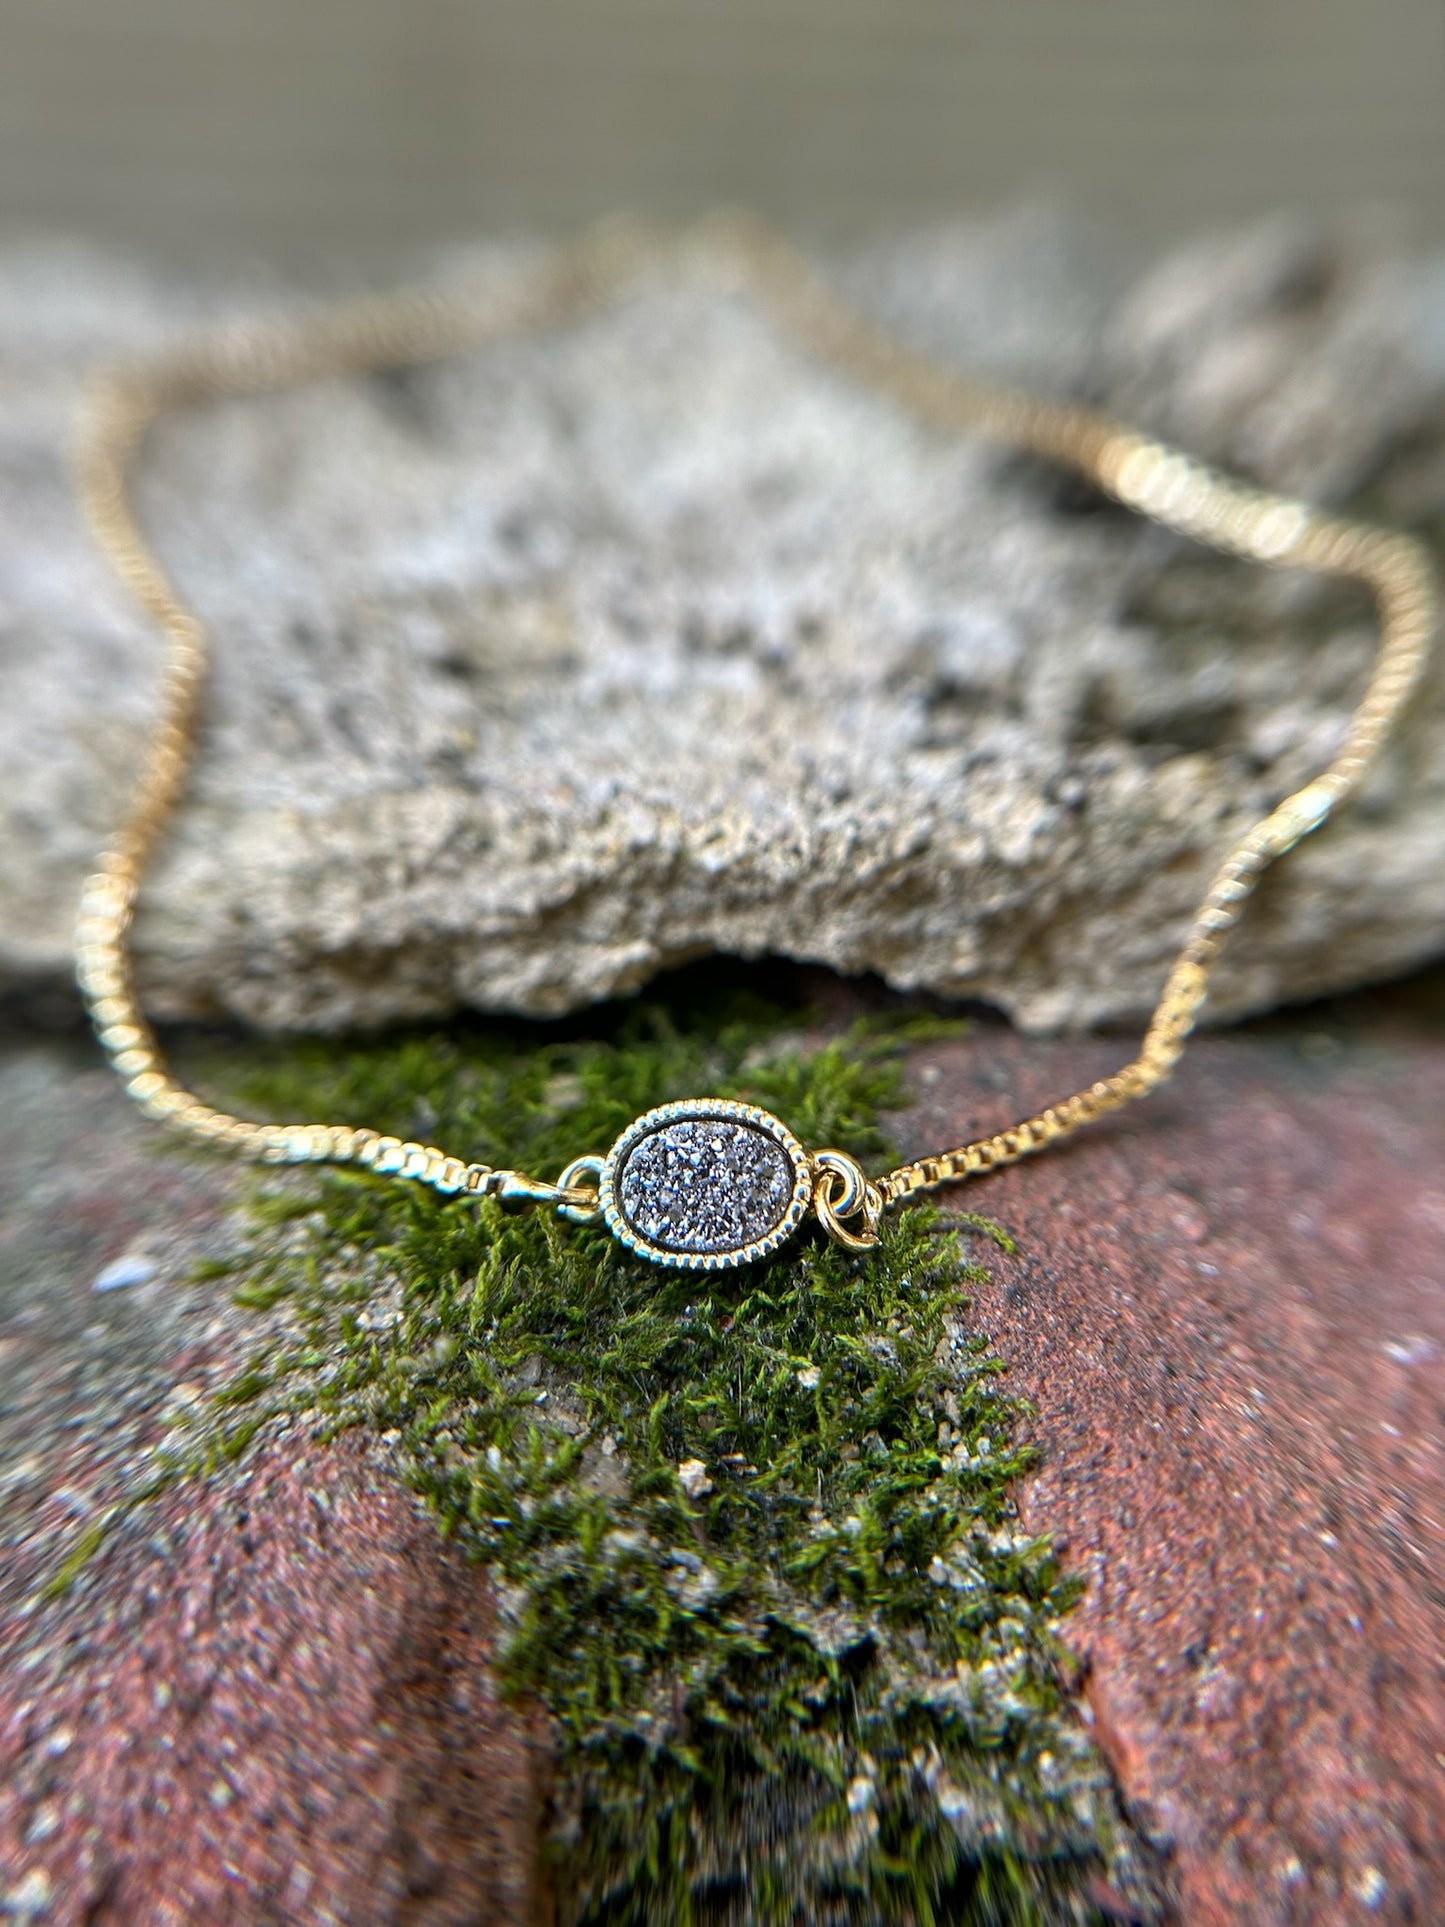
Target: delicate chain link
point(1141, 473)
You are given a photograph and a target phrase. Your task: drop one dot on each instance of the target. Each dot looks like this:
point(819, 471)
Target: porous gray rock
point(545, 668)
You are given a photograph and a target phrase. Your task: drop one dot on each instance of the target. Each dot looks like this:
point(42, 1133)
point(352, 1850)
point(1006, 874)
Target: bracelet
point(705, 1183)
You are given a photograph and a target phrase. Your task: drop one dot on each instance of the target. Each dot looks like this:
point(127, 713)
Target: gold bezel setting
point(700, 1110)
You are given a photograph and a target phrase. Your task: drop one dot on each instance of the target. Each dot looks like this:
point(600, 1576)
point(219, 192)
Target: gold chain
point(1134, 469)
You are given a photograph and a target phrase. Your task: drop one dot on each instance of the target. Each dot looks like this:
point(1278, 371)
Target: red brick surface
point(1229, 1309)
point(270, 1705)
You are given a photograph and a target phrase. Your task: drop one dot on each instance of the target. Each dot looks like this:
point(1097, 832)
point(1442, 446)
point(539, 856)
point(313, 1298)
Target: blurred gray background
point(357, 126)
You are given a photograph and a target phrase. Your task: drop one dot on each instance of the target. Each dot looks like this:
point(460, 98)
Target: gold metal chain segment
point(1143, 474)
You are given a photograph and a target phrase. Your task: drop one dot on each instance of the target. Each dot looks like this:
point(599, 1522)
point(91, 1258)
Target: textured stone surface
point(93, 1367)
point(1229, 1308)
point(712, 1186)
point(265, 1700)
point(270, 1703)
point(544, 669)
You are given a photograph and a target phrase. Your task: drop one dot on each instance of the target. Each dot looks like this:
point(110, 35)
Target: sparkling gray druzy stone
point(706, 1185)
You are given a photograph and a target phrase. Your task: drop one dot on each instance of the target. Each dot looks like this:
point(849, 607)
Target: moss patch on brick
point(752, 1532)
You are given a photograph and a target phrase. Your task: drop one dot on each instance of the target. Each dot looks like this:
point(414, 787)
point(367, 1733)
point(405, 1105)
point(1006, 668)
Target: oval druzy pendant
point(705, 1184)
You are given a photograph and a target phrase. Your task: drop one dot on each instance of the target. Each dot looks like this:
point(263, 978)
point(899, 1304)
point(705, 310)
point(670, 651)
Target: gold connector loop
point(582, 1203)
point(842, 1190)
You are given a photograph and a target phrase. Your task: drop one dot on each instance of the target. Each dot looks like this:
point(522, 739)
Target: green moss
point(87, 1544)
point(752, 1533)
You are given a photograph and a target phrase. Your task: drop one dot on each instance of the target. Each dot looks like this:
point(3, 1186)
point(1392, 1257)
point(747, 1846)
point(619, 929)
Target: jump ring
point(571, 1180)
point(839, 1170)
point(842, 1191)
